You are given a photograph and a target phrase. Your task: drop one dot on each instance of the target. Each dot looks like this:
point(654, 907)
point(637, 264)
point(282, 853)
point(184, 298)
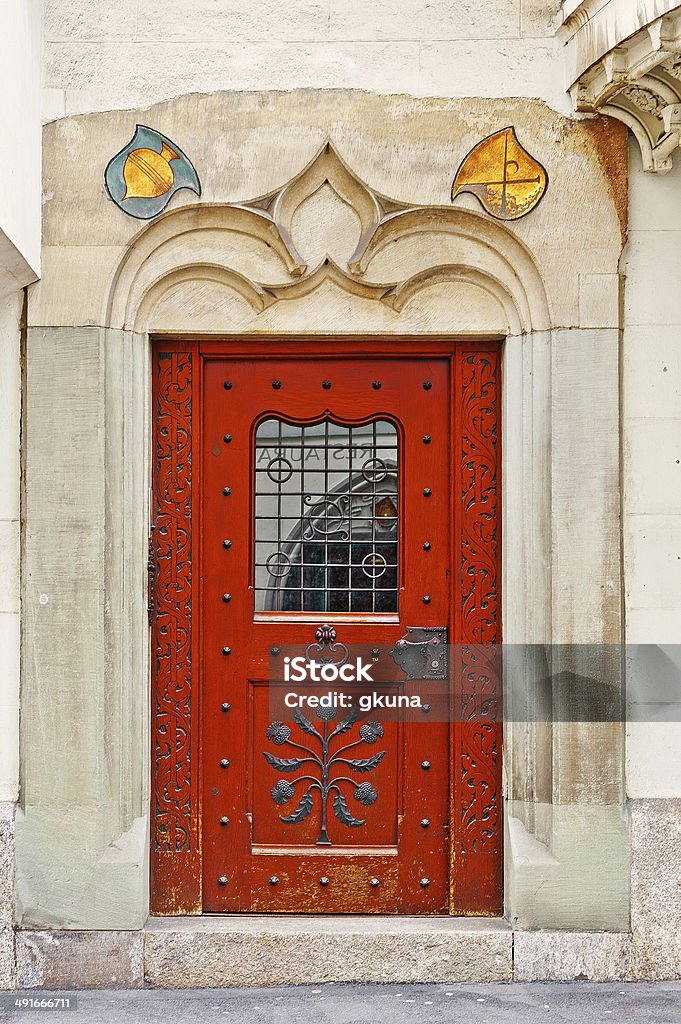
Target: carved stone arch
point(258, 298)
point(144, 256)
point(251, 248)
point(326, 168)
point(403, 293)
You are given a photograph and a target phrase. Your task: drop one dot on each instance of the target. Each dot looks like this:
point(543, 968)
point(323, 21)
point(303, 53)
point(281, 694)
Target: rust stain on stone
point(610, 141)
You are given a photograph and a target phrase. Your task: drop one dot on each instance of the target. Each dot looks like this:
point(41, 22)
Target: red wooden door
point(328, 505)
point(316, 501)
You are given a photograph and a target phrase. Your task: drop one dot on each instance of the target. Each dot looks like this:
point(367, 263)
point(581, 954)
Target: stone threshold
point(249, 950)
point(259, 950)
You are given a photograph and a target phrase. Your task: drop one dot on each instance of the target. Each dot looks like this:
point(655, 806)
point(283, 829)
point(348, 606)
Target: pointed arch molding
point(382, 250)
point(637, 79)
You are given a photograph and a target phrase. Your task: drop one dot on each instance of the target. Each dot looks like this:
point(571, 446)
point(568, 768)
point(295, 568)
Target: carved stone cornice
point(638, 80)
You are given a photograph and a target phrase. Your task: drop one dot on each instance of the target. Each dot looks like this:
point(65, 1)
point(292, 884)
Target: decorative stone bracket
point(638, 81)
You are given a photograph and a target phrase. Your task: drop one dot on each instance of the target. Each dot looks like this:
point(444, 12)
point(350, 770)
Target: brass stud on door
point(376, 385)
point(224, 763)
point(224, 820)
point(427, 546)
point(427, 439)
point(426, 598)
point(426, 709)
point(227, 385)
point(226, 706)
point(425, 765)
point(275, 651)
point(276, 384)
point(222, 880)
point(227, 439)
point(274, 880)
point(227, 544)
point(425, 822)
point(226, 491)
point(226, 598)
point(323, 880)
point(374, 883)
point(427, 493)
point(226, 651)
point(326, 384)
point(427, 385)
point(424, 883)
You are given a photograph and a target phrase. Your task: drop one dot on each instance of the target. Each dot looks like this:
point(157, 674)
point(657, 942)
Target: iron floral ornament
point(324, 780)
point(504, 177)
point(144, 176)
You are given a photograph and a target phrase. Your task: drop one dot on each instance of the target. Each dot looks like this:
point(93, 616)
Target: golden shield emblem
point(504, 177)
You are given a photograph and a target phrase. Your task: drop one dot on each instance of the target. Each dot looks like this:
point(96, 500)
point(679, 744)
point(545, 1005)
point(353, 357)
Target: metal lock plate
point(422, 652)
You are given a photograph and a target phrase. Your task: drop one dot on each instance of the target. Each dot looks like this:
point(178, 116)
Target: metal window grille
point(326, 517)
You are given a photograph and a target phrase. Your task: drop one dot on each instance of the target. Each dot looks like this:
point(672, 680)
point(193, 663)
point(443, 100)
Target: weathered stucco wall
point(20, 99)
point(651, 397)
point(10, 484)
point(651, 404)
point(98, 57)
point(11, 306)
point(20, 76)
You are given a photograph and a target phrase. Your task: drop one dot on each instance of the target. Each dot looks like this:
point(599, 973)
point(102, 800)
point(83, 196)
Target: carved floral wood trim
point(476, 875)
point(174, 782)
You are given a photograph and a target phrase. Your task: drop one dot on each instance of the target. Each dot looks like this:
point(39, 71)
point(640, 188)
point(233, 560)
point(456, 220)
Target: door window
point(326, 517)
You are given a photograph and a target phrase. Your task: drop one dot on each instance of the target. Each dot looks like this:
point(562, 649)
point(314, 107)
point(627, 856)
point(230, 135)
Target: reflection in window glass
point(326, 506)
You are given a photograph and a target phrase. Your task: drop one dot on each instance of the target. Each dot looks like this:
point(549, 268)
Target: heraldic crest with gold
point(144, 176)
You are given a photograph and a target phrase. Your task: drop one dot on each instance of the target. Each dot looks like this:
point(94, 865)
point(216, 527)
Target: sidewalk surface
point(550, 1003)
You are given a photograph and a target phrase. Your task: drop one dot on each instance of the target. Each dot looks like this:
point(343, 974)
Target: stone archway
point(327, 232)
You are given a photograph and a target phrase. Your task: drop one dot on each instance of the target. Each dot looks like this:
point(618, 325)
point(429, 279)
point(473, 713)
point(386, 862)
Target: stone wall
point(20, 75)
point(100, 58)
point(10, 483)
point(651, 404)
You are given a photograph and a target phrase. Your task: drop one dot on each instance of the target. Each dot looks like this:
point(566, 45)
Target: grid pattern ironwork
point(326, 517)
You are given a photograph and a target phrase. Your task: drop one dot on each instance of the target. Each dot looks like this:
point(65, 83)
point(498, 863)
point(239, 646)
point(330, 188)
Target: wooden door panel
point(439, 401)
point(380, 818)
point(271, 475)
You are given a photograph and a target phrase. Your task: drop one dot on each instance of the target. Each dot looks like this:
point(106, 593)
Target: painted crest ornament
point(144, 176)
point(503, 176)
